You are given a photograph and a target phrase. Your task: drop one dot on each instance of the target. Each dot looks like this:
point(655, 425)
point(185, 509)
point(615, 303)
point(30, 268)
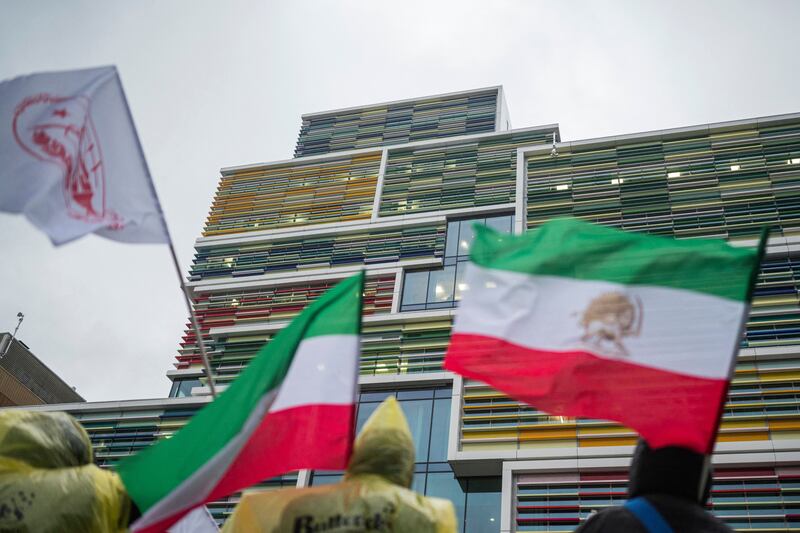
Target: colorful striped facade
point(403, 122)
point(389, 188)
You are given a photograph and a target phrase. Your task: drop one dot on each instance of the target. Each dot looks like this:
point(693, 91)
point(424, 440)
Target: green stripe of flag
point(156, 471)
point(571, 248)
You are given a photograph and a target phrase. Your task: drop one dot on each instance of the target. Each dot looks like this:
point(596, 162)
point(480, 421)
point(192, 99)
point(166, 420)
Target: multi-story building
point(394, 189)
point(26, 380)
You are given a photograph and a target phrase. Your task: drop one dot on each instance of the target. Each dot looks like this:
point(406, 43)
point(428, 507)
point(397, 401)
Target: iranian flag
point(291, 408)
point(581, 320)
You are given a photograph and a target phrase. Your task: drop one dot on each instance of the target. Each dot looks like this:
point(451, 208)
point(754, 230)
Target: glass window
point(460, 285)
point(427, 411)
point(442, 288)
point(364, 412)
point(441, 285)
point(415, 288)
point(418, 414)
point(444, 392)
point(451, 246)
point(501, 224)
point(418, 484)
point(324, 478)
point(466, 236)
point(445, 485)
point(418, 394)
point(483, 505)
point(377, 396)
point(439, 430)
point(183, 387)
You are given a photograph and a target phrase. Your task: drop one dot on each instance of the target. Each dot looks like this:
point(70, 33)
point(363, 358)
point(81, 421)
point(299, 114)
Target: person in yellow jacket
point(374, 495)
point(48, 482)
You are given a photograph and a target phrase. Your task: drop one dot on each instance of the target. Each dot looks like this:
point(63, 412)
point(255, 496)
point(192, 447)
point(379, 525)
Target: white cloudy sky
point(214, 84)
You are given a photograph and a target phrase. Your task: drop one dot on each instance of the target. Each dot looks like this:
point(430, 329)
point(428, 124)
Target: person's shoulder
point(612, 519)
point(686, 516)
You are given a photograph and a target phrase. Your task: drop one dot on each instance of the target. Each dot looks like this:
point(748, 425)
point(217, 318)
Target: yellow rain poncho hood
point(47, 481)
point(374, 495)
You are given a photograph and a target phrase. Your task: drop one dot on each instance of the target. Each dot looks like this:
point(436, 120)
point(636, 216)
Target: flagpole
point(184, 289)
point(192, 315)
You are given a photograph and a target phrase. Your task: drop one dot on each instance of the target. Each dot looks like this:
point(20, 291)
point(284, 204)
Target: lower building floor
point(550, 485)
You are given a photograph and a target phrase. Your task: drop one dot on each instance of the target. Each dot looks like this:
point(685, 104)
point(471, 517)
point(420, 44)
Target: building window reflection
point(476, 500)
point(442, 288)
point(183, 387)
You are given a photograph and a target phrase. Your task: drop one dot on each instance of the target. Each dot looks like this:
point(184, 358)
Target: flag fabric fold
point(197, 521)
point(291, 408)
point(72, 162)
point(581, 320)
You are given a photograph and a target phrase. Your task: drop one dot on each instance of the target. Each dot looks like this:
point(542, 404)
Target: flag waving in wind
point(292, 407)
point(71, 159)
point(582, 320)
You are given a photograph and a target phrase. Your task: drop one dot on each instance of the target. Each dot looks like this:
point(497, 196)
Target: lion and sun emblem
point(610, 318)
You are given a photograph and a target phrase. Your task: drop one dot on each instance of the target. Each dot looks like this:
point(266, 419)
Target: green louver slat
point(706, 185)
point(402, 348)
point(464, 174)
point(404, 122)
point(367, 247)
point(119, 433)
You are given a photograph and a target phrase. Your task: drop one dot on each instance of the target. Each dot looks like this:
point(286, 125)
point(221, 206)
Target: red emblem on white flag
point(60, 131)
point(72, 162)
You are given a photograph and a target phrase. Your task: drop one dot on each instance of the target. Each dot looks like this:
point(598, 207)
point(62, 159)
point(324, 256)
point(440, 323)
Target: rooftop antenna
point(554, 151)
point(20, 318)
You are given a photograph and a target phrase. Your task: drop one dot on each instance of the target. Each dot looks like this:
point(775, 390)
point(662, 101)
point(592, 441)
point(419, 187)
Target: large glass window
point(445, 485)
point(415, 288)
point(476, 500)
point(442, 288)
point(482, 509)
point(428, 414)
point(441, 424)
point(183, 387)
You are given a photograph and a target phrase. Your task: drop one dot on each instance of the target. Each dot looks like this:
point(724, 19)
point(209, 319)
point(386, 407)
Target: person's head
point(384, 446)
point(44, 439)
point(670, 470)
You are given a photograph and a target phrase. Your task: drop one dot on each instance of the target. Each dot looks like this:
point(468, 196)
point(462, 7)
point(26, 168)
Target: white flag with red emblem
point(71, 159)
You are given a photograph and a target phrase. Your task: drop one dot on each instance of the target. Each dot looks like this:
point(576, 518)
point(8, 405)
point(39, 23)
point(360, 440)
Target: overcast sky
point(215, 84)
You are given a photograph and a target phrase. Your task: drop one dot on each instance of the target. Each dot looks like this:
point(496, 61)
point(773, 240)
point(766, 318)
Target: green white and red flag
point(582, 320)
point(292, 407)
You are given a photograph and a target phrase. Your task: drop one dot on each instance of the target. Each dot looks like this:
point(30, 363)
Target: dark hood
point(670, 470)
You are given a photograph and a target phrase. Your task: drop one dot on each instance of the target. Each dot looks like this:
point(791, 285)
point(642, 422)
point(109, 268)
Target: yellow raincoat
point(48, 482)
point(374, 495)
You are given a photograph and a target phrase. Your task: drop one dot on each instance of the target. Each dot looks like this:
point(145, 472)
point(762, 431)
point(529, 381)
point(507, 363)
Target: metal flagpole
point(187, 298)
point(20, 318)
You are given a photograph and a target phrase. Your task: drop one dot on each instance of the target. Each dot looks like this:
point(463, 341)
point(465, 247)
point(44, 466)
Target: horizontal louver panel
point(120, 433)
point(466, 174)
point(363, 248)
point(402, 122)
point(745, 499)
point(402, 348)
point(294, 194)
point(709, 185)
point(272, 304)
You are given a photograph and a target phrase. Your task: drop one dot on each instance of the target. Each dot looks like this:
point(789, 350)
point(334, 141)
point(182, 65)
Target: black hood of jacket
point(671, 471)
